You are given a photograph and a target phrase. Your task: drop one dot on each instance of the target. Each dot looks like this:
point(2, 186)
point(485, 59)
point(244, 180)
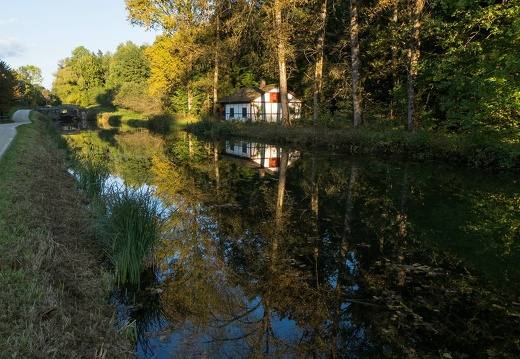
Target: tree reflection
point(328, 258)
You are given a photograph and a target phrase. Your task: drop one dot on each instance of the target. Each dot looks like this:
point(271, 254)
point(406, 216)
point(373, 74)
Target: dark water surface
point(366, 258)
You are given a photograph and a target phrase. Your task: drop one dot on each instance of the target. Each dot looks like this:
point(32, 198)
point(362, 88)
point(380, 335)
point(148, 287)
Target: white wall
point(261, 109)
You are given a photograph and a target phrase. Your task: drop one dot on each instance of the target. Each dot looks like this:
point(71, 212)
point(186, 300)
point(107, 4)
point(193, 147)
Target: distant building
point(258, 104)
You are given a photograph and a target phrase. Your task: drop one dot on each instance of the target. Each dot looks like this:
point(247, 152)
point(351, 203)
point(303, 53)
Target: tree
point(65, 84)
point(81, 78)
point(413, 58)
point(318, 72)
point(32, 79)
point(179, 19)
point(282, 70)
point(474, 74)
point(9, 88)
point(354, 53)
point(128, 64)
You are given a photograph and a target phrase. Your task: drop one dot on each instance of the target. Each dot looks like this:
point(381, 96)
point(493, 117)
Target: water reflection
point(259, 155)
point(329, 256)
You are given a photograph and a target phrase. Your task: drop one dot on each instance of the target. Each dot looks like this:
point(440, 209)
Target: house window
point(275, 97)
point(231, 112)
point(244, 112)
point(231, 146)
point(244, 147)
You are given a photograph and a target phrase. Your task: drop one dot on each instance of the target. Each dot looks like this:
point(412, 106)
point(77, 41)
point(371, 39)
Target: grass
point(91, 175)
point(127, 219)
point(132, 228)
point(54, 288)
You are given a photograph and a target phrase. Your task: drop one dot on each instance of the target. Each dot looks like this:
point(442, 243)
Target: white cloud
point(8, 21)
point(10, 47)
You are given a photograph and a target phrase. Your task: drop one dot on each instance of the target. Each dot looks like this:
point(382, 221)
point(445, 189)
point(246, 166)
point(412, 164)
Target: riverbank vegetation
point(476, 150)
point(54, 286)
point(126, 215)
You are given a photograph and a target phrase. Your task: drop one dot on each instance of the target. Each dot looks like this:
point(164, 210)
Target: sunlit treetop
point(170, 16)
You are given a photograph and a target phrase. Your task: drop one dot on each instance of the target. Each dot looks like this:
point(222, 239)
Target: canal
point(286, 253)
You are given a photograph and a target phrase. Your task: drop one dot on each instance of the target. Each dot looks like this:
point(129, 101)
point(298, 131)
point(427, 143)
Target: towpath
point(8, 130)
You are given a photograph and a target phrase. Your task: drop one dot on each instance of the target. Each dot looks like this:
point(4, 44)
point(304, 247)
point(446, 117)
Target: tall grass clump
point(131, 231)
point(91, 175)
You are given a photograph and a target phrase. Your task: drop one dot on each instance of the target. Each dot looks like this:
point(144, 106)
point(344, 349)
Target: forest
point(435, 65)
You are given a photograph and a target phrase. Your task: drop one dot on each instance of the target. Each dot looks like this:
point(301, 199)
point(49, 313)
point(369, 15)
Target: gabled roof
point(247, 94)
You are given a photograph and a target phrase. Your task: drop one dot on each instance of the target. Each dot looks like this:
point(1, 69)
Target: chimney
point(262, 83)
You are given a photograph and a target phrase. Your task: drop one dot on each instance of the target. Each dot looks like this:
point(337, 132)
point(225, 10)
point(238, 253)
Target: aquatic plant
point(131, 231)
point(91, 174)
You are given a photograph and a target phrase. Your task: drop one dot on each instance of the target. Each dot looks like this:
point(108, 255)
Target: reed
point(132, 229)
point(91, 175)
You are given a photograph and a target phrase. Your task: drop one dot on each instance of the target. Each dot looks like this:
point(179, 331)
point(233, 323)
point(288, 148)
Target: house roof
point(247, 94)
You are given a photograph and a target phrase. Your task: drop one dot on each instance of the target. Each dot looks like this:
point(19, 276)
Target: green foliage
point(31, 78)
point(80, 78)
point(131, 232)
point(91, 174)
point(135, 96)
point(128, 65)
point(8, 88)
point(187, 102)
point(475, 77)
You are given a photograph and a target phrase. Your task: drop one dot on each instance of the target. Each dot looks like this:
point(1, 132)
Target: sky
point(41, 33)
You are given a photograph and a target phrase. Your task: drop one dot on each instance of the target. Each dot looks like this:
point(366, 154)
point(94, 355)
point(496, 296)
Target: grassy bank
point(481, 150)
point(54, 288)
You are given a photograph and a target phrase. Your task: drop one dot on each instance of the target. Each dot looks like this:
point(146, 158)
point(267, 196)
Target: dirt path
point(8, 130)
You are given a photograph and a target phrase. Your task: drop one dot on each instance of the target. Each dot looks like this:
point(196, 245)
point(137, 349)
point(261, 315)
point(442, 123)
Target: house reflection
point(266, 158)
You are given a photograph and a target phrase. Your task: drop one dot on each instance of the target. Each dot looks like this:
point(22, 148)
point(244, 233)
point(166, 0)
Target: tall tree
point(318, 72)
point(81, 78)
point(354, 53)
point(216, 60)
point(282, 66)
point(9, 89)
point(413, 59)
point(31, 76)
point(128, 64)
point(184, 19)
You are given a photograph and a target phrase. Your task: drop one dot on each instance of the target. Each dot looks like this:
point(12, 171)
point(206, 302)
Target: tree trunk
point(413, 60)
point(286, 121)
point(318, 72)
point(190, 99)
point(354, 54)
point(395, 75)
point(216, 65)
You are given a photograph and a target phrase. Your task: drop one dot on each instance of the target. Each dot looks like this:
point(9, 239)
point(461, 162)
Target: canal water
point(272, 252)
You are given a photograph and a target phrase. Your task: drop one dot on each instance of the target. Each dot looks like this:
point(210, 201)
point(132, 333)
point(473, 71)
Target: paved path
point(8, 130)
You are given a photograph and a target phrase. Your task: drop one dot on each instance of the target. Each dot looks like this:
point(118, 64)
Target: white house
point(258, 104)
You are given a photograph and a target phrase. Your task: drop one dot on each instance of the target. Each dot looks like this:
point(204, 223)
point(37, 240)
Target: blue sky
point(41, 33)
